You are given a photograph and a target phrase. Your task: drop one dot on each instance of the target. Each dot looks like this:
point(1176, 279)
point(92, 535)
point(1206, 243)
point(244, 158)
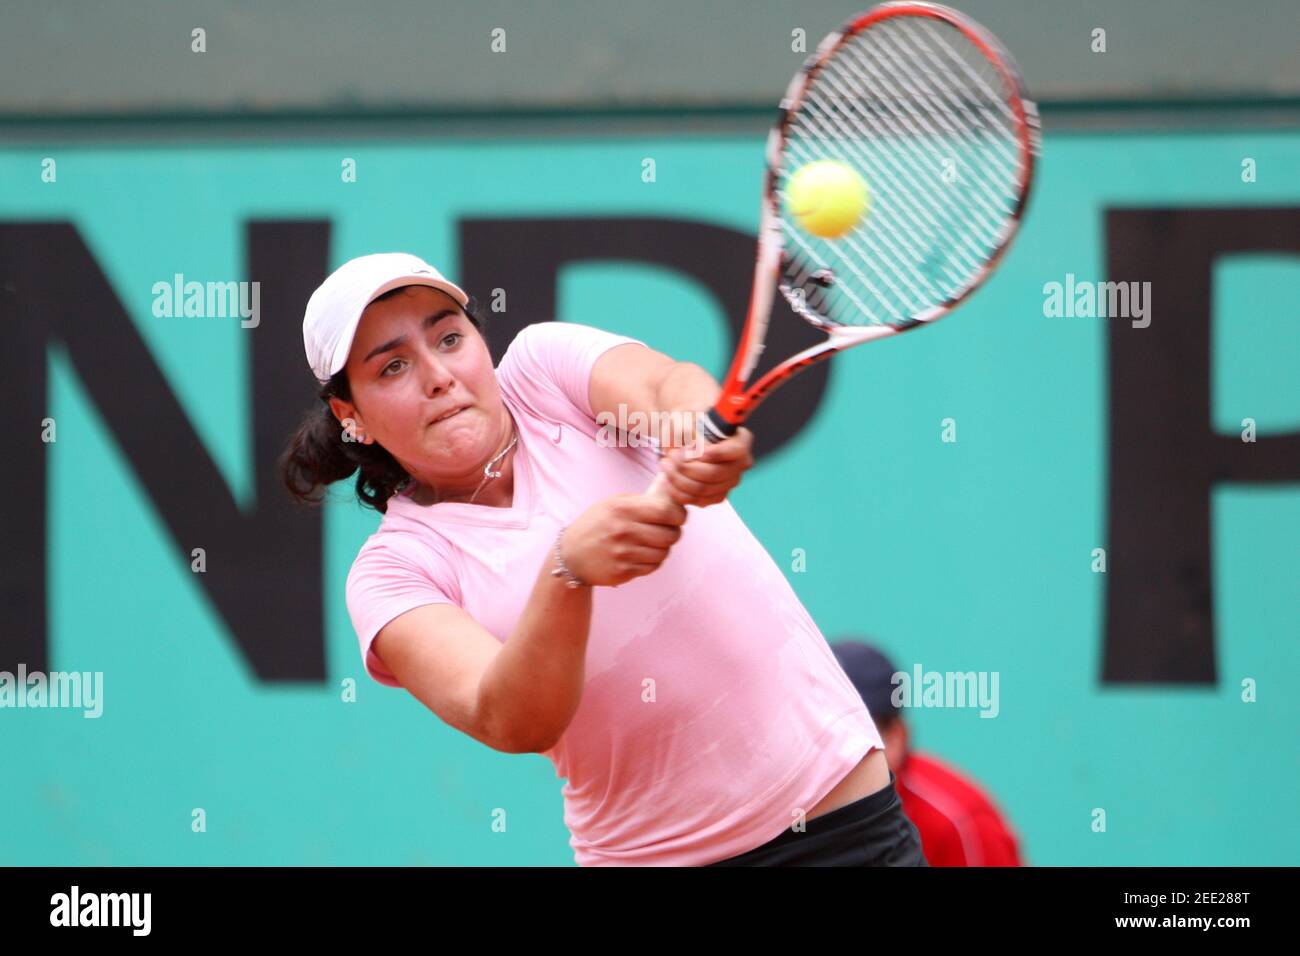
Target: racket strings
point(900, 110)
point(906, 257)
point(919, 111)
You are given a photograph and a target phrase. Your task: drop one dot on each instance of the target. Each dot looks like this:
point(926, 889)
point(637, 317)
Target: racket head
point(931, 112)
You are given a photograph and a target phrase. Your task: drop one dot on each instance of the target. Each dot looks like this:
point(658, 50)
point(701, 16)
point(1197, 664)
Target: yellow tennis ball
point(827, 198)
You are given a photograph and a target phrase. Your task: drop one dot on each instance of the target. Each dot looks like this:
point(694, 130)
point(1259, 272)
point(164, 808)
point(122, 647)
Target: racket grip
point(715, 428)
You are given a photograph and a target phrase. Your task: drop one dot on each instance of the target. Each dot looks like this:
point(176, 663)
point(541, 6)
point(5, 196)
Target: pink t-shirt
point(713, 710)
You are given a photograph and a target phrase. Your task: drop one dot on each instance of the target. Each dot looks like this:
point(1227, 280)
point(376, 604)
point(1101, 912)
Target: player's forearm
point(686, 389)
point(533, 686)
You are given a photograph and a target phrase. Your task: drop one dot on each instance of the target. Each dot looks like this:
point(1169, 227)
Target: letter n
point(264, 569)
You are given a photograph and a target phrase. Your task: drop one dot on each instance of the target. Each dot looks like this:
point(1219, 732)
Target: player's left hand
point(704, 475)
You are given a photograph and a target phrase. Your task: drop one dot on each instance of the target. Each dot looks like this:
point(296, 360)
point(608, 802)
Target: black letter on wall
point(1164, 459)
point(263, 567)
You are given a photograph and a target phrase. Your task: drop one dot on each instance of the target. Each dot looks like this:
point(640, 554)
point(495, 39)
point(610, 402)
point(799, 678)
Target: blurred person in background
point(958, 822)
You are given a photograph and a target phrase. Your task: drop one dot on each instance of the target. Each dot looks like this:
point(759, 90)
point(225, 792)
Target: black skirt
point(872, 831)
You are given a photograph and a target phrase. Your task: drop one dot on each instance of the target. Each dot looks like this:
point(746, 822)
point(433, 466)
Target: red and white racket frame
point(737, 402)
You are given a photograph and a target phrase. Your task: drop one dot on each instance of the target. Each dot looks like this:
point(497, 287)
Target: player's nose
point(435, 376)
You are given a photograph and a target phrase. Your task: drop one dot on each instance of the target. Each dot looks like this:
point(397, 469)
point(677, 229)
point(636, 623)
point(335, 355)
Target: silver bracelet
point(562, 570)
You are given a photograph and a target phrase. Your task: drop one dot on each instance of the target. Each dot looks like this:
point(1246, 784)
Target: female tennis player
point(523, 587)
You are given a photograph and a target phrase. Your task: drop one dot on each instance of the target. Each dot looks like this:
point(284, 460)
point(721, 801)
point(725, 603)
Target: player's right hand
point(621, 538)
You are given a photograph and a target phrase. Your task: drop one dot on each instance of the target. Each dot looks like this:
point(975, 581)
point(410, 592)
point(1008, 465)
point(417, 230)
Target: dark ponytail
point(318, 455)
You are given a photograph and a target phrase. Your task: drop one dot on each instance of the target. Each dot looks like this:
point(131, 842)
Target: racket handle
point(715, 428)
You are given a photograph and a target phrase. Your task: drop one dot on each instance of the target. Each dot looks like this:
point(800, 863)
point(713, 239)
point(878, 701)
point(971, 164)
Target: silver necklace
point(488, 473)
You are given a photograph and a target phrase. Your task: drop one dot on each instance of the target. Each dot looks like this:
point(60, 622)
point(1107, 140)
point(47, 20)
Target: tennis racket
point(929, 110)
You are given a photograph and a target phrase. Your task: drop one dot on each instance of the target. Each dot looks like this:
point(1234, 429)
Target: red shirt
point(959, 825)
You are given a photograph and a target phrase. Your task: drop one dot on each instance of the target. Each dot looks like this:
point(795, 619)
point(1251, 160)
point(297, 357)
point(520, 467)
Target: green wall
point(967, 556)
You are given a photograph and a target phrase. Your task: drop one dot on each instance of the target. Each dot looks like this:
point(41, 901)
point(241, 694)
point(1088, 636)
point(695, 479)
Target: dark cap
point(871, 673)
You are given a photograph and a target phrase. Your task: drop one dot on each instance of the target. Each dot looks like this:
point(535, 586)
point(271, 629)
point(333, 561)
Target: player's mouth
point(449, 414)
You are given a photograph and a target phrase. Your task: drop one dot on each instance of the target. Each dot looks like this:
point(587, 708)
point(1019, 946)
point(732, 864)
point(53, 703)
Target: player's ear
point(349, 418)
point(341, 408)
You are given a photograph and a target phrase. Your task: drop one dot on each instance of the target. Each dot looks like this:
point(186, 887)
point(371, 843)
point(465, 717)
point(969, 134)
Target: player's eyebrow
point(428, 323)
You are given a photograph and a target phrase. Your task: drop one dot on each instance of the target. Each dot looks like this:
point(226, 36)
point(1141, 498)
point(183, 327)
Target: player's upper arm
point(627, 375)
point(561, 358)
point(439, 653)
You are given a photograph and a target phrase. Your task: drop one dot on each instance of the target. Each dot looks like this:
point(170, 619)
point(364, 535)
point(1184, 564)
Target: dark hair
point(318, 456)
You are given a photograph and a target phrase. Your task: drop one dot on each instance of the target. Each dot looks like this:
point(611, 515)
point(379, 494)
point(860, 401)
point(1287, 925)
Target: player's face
point(415, 358)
